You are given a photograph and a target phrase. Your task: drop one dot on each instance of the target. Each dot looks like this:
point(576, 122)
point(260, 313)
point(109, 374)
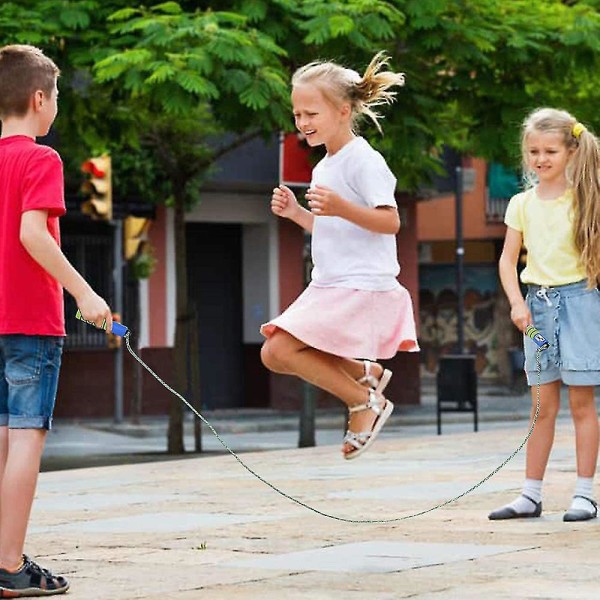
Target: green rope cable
point(316, 510)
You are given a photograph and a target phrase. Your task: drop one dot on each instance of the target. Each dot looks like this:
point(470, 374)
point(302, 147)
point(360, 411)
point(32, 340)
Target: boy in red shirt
point(33, 273)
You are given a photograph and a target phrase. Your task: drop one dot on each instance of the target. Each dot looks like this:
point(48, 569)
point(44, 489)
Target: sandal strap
point(42, 578)
point(590, 500)
point(530, 499)
point(376, 403)
point(367, 377)
point(357, 440)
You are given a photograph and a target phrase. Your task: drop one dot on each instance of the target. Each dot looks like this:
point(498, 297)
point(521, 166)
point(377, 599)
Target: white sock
point(584, 487)
point(532, 488)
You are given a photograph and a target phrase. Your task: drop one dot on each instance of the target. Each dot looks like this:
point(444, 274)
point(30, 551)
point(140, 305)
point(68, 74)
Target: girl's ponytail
point(585, 175)
point(373, 87)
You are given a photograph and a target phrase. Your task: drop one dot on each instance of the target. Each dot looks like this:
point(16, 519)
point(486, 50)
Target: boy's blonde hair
point(24, 70)
point(583, 174)
point(340, 85)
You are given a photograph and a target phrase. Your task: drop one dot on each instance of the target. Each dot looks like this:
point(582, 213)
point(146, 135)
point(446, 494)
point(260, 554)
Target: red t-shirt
point(31, 178)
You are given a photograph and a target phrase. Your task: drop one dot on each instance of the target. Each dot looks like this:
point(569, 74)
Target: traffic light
point(134, 229)
point(97, 188)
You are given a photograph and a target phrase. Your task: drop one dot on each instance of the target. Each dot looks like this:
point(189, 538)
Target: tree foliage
point(474, 67)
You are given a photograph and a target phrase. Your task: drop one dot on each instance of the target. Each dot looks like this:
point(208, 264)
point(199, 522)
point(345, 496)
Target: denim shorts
point(29, 368)
point(568, 316)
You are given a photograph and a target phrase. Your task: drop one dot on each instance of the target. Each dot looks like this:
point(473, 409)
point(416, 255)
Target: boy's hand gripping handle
point(537, 337)
point(117, 328)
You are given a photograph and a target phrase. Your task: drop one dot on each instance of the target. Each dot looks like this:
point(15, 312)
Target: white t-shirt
point(344, 254)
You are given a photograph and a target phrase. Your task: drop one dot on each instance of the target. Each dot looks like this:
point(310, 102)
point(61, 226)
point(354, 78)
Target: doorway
point(214, 263)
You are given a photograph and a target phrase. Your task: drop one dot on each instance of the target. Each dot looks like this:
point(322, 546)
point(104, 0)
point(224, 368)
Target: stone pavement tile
point(157, 523)
point(374, 557)
point(557, 590)
point(89, 502)
point(421, 490)
point(517, 589)
point(132, 580)
point(61, 482)
point(269, 591)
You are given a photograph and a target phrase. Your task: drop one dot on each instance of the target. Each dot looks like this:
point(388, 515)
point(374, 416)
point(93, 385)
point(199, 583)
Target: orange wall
point(436, 218)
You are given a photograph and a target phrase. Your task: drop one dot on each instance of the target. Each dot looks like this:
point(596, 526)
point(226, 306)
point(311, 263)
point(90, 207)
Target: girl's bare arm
point(507, 266)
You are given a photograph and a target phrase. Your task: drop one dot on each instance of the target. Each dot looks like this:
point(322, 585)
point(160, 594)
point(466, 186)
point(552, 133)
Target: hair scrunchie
point(578, 129)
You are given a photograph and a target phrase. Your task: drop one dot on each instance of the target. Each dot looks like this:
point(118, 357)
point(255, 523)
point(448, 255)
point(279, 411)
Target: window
point(91, 254)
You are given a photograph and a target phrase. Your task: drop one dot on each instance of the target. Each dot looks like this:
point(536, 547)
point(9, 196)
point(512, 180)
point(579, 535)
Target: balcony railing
point(502, 184)
point(495, 208)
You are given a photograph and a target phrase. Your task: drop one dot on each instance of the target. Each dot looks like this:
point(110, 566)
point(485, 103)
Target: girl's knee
point(273, 354)
point(583, 410)
point(278, 353)
point(547, 413)
point(266, 356)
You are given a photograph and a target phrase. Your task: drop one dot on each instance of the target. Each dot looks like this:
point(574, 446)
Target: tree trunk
point(194, 375)
point(175, 433)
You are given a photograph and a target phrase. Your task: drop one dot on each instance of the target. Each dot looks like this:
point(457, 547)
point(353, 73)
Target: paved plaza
point(204, 528)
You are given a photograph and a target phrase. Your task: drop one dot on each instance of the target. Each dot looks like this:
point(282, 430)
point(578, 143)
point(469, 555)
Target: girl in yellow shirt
point(558, 220)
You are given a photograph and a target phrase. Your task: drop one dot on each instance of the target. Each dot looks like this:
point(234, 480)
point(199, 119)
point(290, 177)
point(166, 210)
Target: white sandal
point(378, 385)
point(361, 441)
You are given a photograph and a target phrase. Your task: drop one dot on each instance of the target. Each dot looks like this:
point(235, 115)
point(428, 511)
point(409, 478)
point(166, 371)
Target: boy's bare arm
point(42, 247)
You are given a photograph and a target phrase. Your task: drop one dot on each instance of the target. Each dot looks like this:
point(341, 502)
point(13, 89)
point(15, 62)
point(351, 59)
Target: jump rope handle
point(537, 337)
point(117, 328)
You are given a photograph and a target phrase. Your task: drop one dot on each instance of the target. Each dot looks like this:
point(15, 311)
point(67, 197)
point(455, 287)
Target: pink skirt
point(350, 323)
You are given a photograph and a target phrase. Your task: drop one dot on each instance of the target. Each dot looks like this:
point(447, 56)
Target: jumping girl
point(354, 306)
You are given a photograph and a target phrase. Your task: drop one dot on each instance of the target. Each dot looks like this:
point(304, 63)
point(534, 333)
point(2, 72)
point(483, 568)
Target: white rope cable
point(316, 510)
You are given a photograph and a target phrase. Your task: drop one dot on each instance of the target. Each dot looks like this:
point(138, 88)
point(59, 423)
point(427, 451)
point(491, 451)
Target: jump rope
point(541, 342)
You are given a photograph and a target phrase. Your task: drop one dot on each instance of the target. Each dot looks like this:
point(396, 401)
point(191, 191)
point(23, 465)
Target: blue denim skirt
point(568, 316)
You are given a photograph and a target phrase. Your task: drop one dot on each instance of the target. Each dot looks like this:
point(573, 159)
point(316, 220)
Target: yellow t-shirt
point(547, 229)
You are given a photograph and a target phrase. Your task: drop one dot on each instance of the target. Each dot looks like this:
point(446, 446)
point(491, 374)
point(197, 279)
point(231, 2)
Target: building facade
point(488, 331)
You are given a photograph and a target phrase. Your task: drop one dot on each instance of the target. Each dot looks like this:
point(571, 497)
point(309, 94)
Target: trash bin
point(456, 386)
